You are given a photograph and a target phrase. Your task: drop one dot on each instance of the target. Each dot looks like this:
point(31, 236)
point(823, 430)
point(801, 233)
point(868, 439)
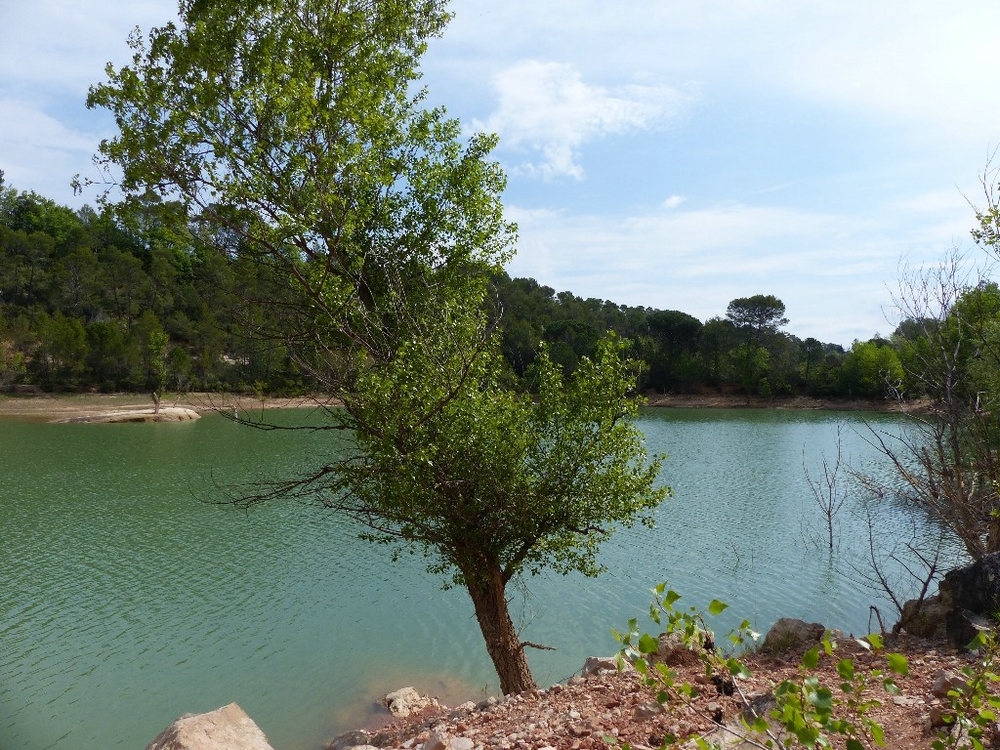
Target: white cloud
point(41, 152)
point(925, 67)
point(924, 63)
point(49, 46)
point(673, 202)
point(549, 111)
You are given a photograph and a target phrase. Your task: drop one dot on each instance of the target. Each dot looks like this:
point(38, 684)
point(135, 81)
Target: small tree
point(292, 125)
point(949, 457)
point(828, 491)
point(490, 483)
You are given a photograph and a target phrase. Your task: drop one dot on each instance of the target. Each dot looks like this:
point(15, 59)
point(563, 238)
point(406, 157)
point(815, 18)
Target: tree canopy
point(294, 131)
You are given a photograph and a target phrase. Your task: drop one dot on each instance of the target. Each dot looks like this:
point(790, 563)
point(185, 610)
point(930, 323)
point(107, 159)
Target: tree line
point(132, 300)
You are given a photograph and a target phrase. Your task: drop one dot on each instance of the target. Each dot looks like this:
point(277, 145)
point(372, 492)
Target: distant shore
point(733, 401)
point(74, 407)
point(94, 406)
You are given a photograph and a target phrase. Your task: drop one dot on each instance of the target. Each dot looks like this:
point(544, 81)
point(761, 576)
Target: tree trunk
point(490, 599)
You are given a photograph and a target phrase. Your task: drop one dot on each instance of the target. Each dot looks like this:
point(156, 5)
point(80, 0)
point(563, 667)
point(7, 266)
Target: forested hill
point(90, 301)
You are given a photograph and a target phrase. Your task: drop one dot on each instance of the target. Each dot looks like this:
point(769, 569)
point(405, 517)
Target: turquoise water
point(130, 596)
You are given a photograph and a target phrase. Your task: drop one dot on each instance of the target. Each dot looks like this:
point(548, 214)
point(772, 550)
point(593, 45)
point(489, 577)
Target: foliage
point(947, 461)
point(488, 483)
point(293, 132)
point(808, 713)
point(974, 709)
point(294, 128)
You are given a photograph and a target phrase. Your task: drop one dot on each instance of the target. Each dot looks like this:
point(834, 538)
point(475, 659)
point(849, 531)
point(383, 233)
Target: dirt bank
point(729, 401)
point(99, 406)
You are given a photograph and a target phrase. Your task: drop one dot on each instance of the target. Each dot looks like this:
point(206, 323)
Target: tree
point(757, 320)
point(487, 482)
point(757, 317)
point(949, 461)
point(872, 369)
point(294, 127)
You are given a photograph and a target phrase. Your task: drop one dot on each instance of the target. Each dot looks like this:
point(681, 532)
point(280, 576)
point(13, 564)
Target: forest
point(106, 301)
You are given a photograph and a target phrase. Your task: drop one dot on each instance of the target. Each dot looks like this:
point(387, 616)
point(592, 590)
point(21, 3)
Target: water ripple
point(128, 601)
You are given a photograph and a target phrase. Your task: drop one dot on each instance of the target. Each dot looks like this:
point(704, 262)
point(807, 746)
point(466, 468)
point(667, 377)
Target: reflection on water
point(127, 599)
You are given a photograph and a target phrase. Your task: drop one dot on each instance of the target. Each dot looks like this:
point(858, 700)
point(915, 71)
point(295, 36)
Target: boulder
point(790, 634)
point(963, 626)
point(975, 587)
point(926, 618)
point(405, 701)
point(974, 595)
point(598, 665)
point(226, 728)
point(673, 652)
point(353, 739)
point(946, 681)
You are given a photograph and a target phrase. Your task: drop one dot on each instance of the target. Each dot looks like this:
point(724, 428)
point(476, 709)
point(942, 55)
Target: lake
point(129, 596)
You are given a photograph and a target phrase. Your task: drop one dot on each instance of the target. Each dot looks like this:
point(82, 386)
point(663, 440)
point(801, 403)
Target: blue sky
point(670, 154)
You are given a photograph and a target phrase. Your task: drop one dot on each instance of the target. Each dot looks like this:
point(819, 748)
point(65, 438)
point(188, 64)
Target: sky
point(661, 153)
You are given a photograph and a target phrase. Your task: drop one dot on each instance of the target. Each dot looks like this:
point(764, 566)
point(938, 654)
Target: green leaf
point(737, 668)
point(898, 664)
point(875, 640)
point(878, 734)
point(716, 607)
point(671, 597)
point(810, 659)
point(822, 698)
point(648, 644)
point(853, 744)
point(845, 668)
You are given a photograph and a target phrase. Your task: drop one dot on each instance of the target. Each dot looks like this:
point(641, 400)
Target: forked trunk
point(502, 642)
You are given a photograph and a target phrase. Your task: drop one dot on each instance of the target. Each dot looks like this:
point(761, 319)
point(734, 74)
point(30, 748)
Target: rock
point(963, 626)
point(925, 619)
point(945, 681)
point(673, 652)
point(166, 414)
point(647, 711)
point(595, 665)
point(975, 587)
point(940, 717)
point(790, 634)
point(226, 728)
point(436, 742)
point(346, 740)
point(463, 708)
point(403, 702)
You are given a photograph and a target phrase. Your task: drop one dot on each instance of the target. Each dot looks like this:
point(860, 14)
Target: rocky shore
point(133, 407)
point(605, 706)
point(95, 407)
point(602, 708)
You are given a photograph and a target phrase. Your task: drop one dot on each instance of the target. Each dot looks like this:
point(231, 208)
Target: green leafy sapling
point(974, 707)
point(809, 712)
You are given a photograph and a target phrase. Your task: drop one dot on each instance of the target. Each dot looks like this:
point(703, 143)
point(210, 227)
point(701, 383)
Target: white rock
point(226, 728)
point(401, 703)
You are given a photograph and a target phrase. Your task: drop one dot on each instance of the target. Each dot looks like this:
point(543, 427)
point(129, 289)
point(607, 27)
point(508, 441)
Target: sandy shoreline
point(98, 406)
point(92, 407)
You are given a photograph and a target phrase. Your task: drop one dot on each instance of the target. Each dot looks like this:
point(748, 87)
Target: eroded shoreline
point(98, 407)
point(137, 407)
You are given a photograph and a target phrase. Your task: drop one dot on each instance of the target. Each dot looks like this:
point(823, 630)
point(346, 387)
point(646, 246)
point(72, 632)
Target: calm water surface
point(128, 598)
